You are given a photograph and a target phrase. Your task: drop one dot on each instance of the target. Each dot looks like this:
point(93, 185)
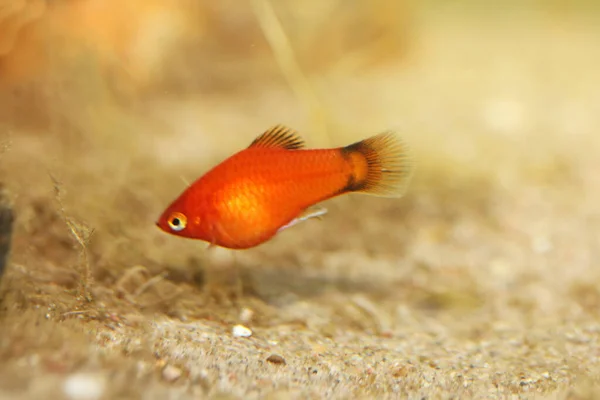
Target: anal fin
point(309, 213)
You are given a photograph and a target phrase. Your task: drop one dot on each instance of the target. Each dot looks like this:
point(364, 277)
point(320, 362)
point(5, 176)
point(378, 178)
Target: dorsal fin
point(279, 136)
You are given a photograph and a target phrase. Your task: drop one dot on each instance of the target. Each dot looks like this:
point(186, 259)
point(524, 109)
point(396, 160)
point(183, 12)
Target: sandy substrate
point(482, 282)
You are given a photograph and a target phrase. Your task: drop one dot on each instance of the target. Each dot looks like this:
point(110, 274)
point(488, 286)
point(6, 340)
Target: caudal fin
point(382, 165)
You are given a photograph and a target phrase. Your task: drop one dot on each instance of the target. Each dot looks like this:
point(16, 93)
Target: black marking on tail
point(353, 184)
point(389, 165)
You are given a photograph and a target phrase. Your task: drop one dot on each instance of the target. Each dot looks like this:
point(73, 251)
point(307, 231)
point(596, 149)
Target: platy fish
point(275, 183)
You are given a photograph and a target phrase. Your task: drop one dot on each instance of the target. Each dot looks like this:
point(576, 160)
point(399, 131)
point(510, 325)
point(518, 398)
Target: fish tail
point(380, 165)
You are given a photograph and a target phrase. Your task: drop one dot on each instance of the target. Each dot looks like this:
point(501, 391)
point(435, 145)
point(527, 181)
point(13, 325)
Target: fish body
point(245, 200)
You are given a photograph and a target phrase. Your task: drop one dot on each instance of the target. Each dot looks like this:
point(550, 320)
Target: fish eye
point(177, 221)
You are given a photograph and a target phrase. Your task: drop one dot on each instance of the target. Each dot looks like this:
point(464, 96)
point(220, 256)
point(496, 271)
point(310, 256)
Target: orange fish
point(274, 184)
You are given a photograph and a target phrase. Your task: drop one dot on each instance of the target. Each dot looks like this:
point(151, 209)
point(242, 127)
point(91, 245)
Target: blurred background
point(108, 108)
point(124, 103)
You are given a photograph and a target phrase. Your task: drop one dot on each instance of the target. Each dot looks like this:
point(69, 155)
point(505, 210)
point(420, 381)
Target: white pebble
point(84, 386)
point(241, 331)
point(171, 373)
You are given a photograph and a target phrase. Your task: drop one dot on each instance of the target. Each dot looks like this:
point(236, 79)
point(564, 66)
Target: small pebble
point(276, 359)
point(241, 331)
point(356, 358)
point(171, 373)
point(84, 386)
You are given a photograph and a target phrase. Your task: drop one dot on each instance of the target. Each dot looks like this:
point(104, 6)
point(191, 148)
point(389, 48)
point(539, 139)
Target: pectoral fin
point(312, 212)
